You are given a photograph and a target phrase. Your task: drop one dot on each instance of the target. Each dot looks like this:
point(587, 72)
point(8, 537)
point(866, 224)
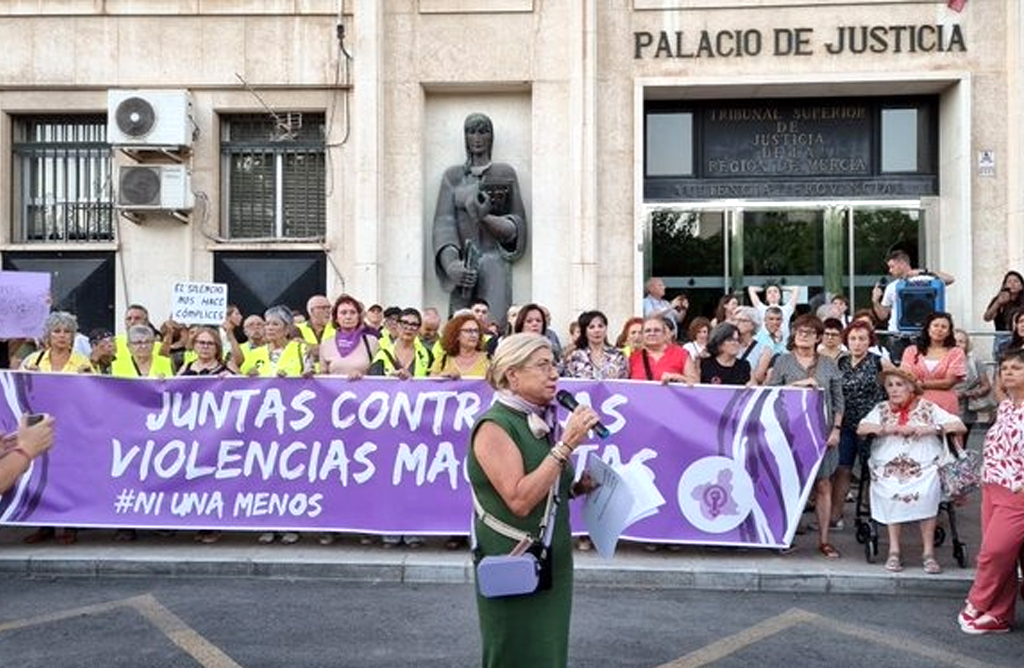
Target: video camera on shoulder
point(916, 298)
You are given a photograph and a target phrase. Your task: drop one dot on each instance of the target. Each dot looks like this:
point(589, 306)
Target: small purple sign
point(731, 466)
point(24, 304)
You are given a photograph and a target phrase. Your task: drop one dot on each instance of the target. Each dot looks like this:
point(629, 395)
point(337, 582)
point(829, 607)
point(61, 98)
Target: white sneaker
point(266, 538)
point(289, 537)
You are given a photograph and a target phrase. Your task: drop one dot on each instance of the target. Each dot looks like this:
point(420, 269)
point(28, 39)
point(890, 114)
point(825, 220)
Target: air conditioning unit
point(149, 118)
point(154, 188)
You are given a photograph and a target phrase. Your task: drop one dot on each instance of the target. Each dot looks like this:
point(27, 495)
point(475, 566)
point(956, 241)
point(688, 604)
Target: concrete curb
point(697, 569)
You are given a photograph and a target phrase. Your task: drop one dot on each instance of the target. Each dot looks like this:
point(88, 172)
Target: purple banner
point(734, 466)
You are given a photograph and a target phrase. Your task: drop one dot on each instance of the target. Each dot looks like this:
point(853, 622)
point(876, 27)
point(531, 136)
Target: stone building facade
point(718, 143)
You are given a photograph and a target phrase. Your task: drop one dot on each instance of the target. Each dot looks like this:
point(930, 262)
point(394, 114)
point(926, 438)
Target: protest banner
point(734, 465)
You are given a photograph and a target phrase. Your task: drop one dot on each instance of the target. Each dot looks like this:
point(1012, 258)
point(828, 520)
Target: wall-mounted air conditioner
point(149, 118)
point(154, 188)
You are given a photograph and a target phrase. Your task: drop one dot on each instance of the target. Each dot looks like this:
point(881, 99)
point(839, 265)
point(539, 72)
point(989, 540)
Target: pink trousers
point(1002, 524)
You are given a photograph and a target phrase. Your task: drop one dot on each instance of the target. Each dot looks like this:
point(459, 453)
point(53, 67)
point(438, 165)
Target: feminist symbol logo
point(716, 497)
point(715, 494)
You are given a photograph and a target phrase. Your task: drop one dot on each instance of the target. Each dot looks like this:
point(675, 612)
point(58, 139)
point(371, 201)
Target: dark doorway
point(257, 280)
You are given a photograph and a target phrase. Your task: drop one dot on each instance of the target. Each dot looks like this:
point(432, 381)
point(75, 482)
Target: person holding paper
point(516, 458)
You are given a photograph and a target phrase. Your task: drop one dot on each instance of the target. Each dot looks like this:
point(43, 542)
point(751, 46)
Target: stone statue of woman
point(479, 225)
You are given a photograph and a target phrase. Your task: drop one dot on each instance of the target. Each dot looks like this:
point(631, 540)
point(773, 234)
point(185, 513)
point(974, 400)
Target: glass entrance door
point(826, 249)
point(689, 249)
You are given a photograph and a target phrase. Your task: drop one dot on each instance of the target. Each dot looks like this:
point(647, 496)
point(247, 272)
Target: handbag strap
point(647, 365)
point(515, 534)
point(954, 443)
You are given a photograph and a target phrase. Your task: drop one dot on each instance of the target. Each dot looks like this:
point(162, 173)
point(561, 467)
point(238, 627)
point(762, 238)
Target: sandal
point(828, 551)
point(931, 567)
point(894, 563)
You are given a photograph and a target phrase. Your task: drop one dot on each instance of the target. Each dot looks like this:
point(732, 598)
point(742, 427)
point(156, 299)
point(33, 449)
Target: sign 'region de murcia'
point(753, 42)
point(787, 140)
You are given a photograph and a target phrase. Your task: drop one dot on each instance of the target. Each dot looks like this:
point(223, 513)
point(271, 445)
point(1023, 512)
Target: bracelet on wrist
point(559, 460)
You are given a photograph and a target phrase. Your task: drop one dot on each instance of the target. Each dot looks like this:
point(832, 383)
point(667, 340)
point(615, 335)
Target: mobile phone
point(34, 418)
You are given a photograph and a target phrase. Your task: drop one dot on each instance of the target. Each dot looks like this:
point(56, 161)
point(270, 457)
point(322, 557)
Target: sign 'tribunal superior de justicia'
point(753, 42)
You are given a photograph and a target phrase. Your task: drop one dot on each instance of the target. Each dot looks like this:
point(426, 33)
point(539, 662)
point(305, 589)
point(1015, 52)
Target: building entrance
point(708, 249)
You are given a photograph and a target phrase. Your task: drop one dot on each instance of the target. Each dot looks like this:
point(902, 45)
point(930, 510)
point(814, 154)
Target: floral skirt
point(905, 479)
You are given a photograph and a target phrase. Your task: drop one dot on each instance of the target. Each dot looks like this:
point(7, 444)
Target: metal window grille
point(275, 172)
point(62, 179)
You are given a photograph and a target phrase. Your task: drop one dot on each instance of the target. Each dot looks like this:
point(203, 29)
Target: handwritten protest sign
point(734, 466)
point(199, 303)
point(24, 303)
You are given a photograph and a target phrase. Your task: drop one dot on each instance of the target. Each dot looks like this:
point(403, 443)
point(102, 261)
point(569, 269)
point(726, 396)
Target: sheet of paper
point(647, 498)
point(607, 509)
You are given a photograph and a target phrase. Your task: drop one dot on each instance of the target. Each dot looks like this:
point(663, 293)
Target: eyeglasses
point(205, 343)
point(409, 323)
point(831, 334)
point(807, 331)
point(147, 342)
point(545, 367)
point(470, 332)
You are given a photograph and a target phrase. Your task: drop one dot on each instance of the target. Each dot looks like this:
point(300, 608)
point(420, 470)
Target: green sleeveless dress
point(530, 630)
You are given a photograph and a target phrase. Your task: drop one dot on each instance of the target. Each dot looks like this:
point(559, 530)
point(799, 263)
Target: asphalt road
point(252, 623)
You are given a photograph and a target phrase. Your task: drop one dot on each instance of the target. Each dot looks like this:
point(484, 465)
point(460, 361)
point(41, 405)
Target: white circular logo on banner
point(715, 494)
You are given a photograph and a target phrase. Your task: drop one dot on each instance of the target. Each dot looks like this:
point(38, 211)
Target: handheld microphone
point(570, 404)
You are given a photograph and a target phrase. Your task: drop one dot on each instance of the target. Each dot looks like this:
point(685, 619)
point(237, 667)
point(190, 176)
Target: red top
point(1004, 448)
point(673, 360)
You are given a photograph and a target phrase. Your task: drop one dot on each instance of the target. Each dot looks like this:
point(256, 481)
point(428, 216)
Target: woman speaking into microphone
point(521, 475)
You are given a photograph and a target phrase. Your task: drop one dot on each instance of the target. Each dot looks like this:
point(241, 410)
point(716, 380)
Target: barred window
point(62, 173)
point(274, 175)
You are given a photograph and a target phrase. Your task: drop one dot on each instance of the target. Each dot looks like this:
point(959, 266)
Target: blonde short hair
point(512, 352)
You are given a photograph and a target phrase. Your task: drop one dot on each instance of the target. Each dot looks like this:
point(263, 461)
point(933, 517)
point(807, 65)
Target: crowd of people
point(892, 406)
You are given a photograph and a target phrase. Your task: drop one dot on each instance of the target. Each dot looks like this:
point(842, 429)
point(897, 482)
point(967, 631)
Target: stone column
point(367, 159)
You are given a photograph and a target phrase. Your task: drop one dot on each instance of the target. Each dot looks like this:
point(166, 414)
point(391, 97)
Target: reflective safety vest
point(291, 362)
point(121, 350)
point(384, 340)
point(309, 336)
point(125, 367)
point(422, 362)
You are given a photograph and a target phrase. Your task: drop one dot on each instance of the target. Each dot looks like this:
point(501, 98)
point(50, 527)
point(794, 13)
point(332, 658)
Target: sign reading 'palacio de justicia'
point(752, 42)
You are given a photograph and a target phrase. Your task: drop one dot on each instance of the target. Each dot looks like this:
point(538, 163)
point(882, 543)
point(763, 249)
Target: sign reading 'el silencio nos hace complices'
point(753, 42)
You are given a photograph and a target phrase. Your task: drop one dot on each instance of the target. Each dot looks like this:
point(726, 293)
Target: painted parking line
point(173, 627)
point(709, 654)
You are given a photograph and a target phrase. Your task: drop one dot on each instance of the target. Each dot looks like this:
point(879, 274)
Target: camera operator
point(883, 297)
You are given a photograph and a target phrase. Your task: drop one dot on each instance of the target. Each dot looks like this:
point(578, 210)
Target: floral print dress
point(905, 470)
